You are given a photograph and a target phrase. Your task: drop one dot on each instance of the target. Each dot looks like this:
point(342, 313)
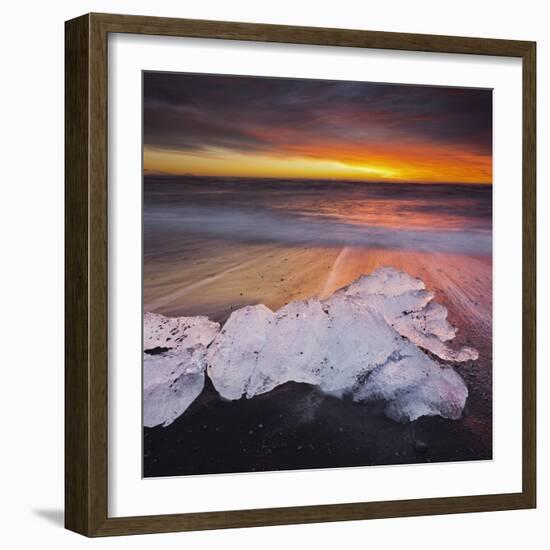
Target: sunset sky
point(293, 128)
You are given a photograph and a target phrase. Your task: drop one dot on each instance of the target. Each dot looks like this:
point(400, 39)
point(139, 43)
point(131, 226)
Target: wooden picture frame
point(86, 416)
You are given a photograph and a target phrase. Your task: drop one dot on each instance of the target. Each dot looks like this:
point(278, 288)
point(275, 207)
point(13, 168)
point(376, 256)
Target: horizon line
point(146, 173)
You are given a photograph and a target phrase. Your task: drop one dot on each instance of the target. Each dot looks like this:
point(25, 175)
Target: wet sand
point(218, 277)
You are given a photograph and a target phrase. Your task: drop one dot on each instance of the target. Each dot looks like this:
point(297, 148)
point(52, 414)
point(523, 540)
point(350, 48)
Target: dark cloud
point(189, 112)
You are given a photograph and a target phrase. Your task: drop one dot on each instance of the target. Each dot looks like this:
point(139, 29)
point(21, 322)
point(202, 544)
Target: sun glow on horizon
point(433, 167)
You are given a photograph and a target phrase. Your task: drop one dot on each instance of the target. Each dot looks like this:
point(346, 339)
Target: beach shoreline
point(212, 271)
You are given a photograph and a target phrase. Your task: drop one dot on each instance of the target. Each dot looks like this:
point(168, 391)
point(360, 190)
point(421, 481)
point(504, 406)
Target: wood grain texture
point(86, 259)
point(529, 274)
point(165, 26)
point(77, 383)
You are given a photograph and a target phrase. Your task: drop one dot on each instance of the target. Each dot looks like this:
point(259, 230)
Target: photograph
point(317, 274)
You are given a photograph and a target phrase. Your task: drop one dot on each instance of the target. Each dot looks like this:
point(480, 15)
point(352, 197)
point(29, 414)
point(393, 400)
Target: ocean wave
point(260, 225)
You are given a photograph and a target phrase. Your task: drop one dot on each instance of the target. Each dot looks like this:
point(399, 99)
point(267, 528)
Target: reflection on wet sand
point(222, 277)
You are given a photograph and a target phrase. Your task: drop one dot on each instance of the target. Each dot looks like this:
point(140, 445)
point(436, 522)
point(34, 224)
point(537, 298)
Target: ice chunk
point(171, 382)
point(233, 356)
point(176, 333)
point(414, 386)
point(409, 308)
point(367, 340)
point(327, 344)
point(174, 362)
point(347, 344)
point(386, 281)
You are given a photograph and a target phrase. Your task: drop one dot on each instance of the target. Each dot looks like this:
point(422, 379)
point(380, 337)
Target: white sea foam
point(366, 340)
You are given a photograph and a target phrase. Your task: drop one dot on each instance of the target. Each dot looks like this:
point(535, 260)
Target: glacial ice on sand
point(173, 364)
point(176, 333)
point(408, 307)
point(367, 340)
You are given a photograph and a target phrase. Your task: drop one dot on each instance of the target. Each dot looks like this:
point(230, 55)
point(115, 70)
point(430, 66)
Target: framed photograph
point(300, 275)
